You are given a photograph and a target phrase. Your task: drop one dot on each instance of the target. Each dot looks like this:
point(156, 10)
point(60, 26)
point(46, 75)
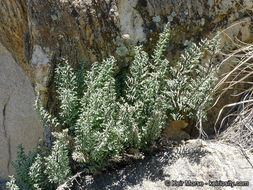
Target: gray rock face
point(19, 123)
point(197, 160)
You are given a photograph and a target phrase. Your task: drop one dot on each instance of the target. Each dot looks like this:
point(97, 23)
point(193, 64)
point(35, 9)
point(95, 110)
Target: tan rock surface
point(175, 131)
point(19, 123)
point(197, 160)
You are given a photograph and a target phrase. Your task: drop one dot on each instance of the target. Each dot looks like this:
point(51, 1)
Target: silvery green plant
point(98, 137)
point(57, 163)
point(191, 81)
point(145, 92)
point(22, 165)
point(11, 185)
point(66, 85)
point(36, 173)
point(104, 125)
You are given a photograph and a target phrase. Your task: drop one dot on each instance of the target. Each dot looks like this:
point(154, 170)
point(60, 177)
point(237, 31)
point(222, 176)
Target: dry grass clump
point(240, 131)
point(237, 126)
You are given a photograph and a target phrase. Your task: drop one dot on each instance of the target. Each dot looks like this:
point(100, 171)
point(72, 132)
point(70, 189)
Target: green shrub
point(30, 173)
point(104, 121)
point(11, 185)
point(155, 91)
point(57, 163)
point(22, 166)
point(98, 137)
point(191, 81)
point(66, 83)
point(36, 174)
point(145, 92)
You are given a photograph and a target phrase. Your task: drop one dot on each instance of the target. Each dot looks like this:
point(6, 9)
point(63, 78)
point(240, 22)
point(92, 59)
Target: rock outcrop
point(19, 123)
point(37, 32)
point(196, 165)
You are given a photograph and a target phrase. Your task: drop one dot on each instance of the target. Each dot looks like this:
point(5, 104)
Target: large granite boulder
point(19, 123)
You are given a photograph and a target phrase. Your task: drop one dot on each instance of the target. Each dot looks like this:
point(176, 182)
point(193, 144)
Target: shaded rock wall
point(19, 124)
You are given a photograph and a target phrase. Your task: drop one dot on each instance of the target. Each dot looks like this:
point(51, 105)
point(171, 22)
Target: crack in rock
point(5, 132)
point(4, 116)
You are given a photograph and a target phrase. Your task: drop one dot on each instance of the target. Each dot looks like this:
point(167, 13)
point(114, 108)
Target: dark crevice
point(4, 116)
point(5, 132)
